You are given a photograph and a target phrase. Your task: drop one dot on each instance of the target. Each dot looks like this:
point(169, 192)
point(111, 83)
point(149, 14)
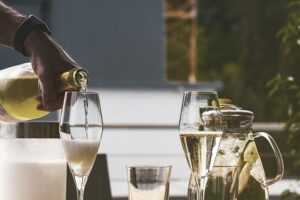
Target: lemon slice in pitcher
point(250, 156)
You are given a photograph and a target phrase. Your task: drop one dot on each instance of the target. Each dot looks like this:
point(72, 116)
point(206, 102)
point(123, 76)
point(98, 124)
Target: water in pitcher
point(239, 149)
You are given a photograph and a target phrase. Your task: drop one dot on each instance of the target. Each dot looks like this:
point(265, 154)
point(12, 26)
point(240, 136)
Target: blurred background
point(141, 55)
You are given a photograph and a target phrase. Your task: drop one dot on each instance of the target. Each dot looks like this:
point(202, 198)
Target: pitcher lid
point(234, 118)
point(237, 113)
point(237, 121)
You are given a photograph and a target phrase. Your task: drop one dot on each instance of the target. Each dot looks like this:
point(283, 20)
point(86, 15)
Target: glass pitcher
point(238, 148)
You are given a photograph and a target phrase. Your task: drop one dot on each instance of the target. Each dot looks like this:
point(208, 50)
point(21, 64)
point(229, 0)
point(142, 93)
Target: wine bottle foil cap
point(79, 77)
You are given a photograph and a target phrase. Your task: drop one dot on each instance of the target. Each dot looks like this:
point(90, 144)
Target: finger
point(41, 107)
point(39, 99)
point(49, 95)
point(60, 99)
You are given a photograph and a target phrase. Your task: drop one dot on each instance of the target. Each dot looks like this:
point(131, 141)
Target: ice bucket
point(32, 169)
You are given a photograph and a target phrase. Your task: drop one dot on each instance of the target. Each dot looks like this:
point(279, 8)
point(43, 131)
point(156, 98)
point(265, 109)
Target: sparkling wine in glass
point(80, 129)
point(200, 128)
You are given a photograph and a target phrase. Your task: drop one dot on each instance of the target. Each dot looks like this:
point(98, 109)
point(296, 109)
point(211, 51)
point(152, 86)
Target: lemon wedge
point(250, 154)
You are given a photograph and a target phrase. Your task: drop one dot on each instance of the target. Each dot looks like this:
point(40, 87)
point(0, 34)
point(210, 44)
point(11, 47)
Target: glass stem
point(80, 182)
point(80, 194)
point(202, 186)
point(202, 194)
point(196, 189)
point(193, 189)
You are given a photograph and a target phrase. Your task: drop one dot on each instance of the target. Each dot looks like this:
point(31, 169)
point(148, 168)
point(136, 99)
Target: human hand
point(49, 60)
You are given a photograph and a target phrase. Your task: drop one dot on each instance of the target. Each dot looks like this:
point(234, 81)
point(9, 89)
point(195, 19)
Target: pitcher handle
point(278, 156)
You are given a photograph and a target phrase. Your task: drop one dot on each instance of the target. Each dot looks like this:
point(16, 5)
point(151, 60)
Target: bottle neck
point(75, 79)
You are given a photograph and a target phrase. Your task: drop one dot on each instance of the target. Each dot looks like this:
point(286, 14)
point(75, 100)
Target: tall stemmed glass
point(200, 127)
point(80, 131)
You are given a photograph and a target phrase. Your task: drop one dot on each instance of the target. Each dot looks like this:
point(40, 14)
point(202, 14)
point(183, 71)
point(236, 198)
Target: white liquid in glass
point(81, 155)
point(154, 194)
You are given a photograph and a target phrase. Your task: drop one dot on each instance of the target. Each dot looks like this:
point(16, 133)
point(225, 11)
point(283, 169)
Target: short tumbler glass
point(148, 182)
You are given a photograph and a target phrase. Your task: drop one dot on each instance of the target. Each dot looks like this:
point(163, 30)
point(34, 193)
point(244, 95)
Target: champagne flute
point(200, 128)
point(80, 130)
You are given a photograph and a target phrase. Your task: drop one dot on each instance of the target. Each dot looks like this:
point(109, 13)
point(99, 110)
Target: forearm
point(9, 22)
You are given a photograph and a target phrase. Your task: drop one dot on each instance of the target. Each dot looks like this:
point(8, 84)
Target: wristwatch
point(30, 24)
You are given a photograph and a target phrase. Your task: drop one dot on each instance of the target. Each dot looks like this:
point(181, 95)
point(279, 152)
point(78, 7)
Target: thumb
point(49, 95)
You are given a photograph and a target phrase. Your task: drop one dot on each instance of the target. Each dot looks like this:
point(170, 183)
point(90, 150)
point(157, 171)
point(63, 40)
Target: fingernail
point(41, 107)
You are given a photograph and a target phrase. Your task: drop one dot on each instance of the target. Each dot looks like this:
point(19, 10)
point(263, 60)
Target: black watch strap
point(30, 24)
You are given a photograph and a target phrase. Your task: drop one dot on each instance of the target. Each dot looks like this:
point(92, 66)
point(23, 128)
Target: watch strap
point(30, 24)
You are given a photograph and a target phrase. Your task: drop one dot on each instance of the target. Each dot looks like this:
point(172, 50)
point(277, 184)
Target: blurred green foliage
point(238, 44)
point(253, 47)
point(285, 85)
point(177, 53)
point(287, 88)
